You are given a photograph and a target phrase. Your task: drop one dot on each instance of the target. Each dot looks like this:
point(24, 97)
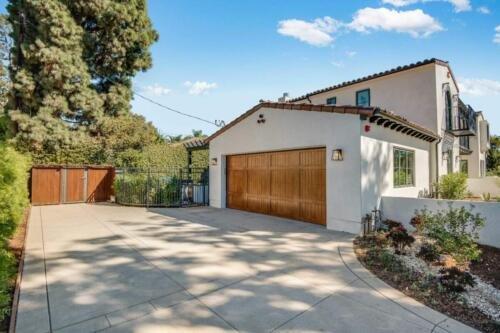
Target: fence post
point(147, 188)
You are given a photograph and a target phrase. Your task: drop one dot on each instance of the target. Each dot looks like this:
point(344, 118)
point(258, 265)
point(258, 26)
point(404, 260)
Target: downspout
point(437, 160)
point(310, 102)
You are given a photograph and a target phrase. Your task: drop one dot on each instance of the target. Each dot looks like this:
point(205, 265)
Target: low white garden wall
point(403, 209)
point(490, 185)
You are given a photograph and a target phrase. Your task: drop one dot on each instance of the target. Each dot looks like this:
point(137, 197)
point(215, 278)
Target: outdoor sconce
point(213, 161)
point(261, 119)
point(337, 155)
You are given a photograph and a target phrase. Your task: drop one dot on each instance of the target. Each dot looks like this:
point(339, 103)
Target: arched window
point(448, 110)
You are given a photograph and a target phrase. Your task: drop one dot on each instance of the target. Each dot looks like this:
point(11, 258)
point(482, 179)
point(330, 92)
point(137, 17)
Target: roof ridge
point(376, 75)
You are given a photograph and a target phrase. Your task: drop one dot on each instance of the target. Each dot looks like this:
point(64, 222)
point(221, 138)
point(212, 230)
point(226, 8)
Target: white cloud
point(483, 10)
point(461, 5)
point(200, 87)
point(496, 38)
point(317, 33)
point(458, 5)
point(351, 53)
point(399, 3)
point(414, 22)
point(157, 90)
point(479, 87)
point(338, 64)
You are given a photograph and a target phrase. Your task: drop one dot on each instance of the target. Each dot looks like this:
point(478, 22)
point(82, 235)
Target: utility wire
point(214, 123)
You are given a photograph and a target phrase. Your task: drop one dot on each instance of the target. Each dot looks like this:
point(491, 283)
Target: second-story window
point(331, 101)
point(449, 111)
point(363, 97)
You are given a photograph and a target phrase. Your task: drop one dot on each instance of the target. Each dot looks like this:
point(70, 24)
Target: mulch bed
point(488, 266)
point(16, 246)
point(410, 285)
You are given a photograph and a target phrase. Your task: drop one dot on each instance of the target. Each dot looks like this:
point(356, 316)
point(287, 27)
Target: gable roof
point(376, 115)
point(378, 75)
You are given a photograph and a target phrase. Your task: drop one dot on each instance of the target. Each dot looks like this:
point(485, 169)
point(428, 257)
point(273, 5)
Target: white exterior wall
point(287, 129)
point(410, 94)
point(377, 166)
point(403, 209)
point(353, 186)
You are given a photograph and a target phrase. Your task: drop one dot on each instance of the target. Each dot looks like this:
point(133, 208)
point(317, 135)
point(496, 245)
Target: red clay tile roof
point(377, 75)
point(382, 117)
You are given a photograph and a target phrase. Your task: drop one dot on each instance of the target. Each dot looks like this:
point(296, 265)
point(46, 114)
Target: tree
point(493, 157)
point(53, 103)
point(5, 46)
point(71, 71)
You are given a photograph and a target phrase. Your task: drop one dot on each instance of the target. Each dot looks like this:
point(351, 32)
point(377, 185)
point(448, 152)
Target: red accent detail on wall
point(367, 128)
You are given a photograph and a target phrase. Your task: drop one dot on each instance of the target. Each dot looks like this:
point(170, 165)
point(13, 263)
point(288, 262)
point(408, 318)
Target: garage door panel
point(257, 204)
point(258, 182)
point(289, 184)
point(285, 183)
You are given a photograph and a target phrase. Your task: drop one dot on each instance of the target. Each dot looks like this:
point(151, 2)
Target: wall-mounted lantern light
point(337, 155)
point(213, 161)
point(261, 119)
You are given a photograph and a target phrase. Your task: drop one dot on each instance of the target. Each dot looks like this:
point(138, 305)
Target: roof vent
point(284, 98)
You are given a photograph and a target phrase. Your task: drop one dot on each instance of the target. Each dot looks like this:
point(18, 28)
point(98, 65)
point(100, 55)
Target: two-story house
point(328, 157)
point(425, 92)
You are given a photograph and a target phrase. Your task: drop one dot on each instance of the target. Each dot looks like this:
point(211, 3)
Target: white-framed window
point(404, 167)
point(331, 101)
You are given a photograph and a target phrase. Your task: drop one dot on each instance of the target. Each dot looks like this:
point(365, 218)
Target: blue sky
point(218, 58)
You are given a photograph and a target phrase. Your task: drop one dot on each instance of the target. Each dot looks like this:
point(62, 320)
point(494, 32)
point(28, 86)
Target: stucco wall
point(410, 94)
point(377, 165)
point(285, 130)
point(403, 209)
point(490, 185)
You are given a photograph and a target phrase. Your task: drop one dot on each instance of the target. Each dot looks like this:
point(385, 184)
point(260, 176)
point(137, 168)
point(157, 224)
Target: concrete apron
point(122, 269)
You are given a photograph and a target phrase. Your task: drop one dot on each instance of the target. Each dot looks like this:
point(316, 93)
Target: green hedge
point(13, 201)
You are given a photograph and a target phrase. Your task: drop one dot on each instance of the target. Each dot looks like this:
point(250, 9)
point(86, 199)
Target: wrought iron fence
point(170, 187)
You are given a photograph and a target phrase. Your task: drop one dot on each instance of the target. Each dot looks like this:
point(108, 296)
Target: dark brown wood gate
point(68, 184)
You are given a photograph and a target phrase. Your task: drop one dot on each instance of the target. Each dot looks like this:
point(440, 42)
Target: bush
point(13, 191)
point(429, 252)
point(455, 280)
point(400, 239)
point(417, 222)
point(7, 271)
point(157, 189)
point(455, 232)
point(392, 224)
point(453, 186)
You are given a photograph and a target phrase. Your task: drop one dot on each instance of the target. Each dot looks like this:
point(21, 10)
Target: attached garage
point(327, 165)
point(289, 184)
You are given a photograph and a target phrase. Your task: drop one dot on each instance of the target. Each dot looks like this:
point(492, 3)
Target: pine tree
point(118, 35)
point(53, 102)
point(73, 61)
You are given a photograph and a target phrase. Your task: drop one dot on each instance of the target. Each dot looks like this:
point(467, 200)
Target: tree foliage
point(71, 77)
point(493, 157)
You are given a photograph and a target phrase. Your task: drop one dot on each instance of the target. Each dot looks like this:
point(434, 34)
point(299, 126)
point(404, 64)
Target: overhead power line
point(216, 123)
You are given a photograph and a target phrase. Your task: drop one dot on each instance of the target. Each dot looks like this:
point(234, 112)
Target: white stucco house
point(329, 156)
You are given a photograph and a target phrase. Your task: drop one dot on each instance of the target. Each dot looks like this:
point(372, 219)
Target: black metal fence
point(162, 188)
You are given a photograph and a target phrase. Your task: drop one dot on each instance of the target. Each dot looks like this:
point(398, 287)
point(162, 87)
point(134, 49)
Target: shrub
point(7, 271)
point(455, 232)
point(400, 239)
point(453, 186)
point(13, 190)
point(417, 222)
point(455, 280)
point(429, 252)
point(392, 224)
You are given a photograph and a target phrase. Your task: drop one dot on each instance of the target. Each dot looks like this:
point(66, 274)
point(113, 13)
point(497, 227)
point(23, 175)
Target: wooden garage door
point(290, 184)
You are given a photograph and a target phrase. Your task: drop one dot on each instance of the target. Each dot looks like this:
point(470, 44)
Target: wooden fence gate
point(63, 184)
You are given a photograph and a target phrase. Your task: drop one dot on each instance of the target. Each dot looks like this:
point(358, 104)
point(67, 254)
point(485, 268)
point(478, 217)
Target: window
point(482, 167)
point(404, 167)
point(449, 110)
point(464, 166)
point(449, 162)
point(363, 97)
point(331, 101)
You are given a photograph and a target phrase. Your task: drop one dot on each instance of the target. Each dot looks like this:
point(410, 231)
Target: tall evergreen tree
point(72, 65)
point(117, 38)
point(53, 102)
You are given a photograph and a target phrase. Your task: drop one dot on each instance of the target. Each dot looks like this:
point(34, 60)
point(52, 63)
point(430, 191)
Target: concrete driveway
point(122, 269)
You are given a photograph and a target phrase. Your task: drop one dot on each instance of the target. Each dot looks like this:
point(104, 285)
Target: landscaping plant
point(455, 231)
point(455, 280)
point(400, 239)
point(429, 252)
point(453, 186)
